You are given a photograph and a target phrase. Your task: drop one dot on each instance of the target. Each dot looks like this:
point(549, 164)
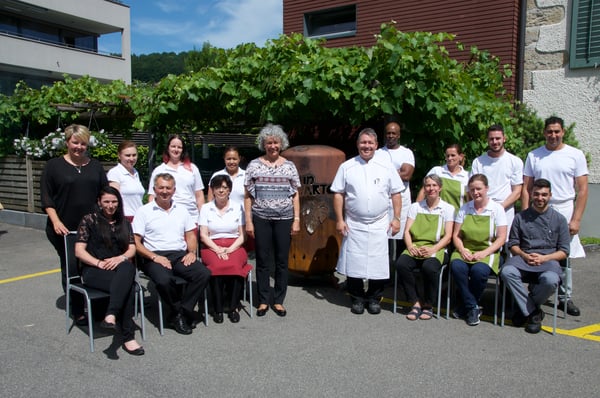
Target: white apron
point(364, 252)
point(566, 209)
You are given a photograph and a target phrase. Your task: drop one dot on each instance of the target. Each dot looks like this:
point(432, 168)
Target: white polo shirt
point(161, 229)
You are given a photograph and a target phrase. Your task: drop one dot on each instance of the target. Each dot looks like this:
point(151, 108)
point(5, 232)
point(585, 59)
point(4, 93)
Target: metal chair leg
point(395, 290)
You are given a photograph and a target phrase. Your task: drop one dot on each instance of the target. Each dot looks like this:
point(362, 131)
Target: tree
point(319, 94)
point(208, 56)
point(151, 68)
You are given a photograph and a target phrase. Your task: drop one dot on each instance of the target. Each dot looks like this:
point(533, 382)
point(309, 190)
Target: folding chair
point(566, 267)
point(74, 283)
point(496, 292)
point(439, 295)
point(248, 292)
point(180, 282)
point(555, 304)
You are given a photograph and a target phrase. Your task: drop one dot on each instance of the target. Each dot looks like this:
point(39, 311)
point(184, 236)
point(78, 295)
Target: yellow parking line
point(28, 276)
point(584, 332)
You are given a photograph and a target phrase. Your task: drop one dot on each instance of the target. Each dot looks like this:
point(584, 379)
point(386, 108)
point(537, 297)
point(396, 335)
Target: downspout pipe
point(520, 69)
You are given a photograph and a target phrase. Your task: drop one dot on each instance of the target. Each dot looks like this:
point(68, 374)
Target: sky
point(181, 25)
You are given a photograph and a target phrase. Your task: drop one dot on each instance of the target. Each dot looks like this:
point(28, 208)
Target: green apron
point(427, 230)
point(478, 233)
point(453, 192)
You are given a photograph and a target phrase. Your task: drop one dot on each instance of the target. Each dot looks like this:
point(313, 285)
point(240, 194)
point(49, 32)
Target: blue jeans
point(470, 280)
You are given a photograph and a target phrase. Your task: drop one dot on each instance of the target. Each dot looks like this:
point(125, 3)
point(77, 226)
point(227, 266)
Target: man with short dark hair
point(566, 169)
point(165, 239)
point(539, 239)
point(503, 170)
point(403, 161)
point(363, 187)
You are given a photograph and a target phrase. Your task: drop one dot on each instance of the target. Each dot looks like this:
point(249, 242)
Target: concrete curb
point(24, 219)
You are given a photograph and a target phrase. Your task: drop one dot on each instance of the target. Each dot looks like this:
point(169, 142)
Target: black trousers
point(272, 236)
point(233, 284)
point(120, 284)
point(430, 269)
point(356, 289)
point(196, 275)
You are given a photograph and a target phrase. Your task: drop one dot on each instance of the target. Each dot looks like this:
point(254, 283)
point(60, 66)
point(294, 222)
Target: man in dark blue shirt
point(539, 239)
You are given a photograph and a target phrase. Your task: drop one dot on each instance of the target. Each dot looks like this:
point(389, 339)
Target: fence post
point(30, 195)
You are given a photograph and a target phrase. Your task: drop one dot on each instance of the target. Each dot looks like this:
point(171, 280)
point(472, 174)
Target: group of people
point(117, 232)
point(464, 219)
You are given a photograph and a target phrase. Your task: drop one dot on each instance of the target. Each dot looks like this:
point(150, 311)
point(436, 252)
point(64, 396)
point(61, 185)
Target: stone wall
point(550, 86)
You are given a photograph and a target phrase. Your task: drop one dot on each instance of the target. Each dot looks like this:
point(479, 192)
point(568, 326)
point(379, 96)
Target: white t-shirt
point(163, 230)
point(502, 173)
point(560, 167)
point(222, 225)
point(130, 187)
point(398, 157)
point(237, 190)
point(186, 184)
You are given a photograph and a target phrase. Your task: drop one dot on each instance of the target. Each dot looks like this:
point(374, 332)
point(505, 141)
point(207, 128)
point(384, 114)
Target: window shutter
point(585, 34)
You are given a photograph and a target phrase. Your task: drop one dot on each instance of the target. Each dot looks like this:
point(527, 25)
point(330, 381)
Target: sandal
point(426, 314)
point(414, 314)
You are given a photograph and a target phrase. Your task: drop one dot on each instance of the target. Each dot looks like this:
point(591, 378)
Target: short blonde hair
point(78, 131)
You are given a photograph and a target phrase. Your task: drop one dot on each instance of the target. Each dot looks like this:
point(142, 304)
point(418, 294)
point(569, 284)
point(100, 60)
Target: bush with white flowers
point(54, 144)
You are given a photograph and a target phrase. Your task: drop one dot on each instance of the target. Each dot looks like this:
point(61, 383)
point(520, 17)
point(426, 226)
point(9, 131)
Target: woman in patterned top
point(272, 211)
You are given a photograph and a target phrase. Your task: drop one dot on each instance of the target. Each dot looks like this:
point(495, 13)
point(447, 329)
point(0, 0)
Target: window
point(331, 23)
point(585, 34)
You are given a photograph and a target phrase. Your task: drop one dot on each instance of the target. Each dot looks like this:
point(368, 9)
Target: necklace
point(75, 164)
point(270, 163)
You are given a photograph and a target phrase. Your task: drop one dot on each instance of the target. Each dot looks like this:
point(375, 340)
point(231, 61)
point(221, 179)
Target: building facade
point(492, 25)
point(562, 68)
point(41, 40)
point(553, 46)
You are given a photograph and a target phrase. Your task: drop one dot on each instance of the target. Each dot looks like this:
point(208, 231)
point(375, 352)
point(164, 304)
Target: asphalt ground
point(320, 349)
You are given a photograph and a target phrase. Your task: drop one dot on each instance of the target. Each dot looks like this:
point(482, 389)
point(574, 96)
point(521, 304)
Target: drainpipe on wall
point(520, 69)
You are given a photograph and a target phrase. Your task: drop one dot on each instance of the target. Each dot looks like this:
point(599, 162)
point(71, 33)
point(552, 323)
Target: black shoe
point(81, 320)
point(218, 317)
point(281, 312)
point(180, 324)
point(459, 313)
point(572, 309)
point(108, 325)
point(194, 321)
point(473, 316)
point(534, 321)
point(358, 307)
point(518, 319)
point(234, 316)
point(262, 311)
point(373, 307)
point(137, 352)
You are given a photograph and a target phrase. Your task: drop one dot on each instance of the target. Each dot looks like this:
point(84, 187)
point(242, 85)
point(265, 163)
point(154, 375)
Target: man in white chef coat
point(362, 190)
